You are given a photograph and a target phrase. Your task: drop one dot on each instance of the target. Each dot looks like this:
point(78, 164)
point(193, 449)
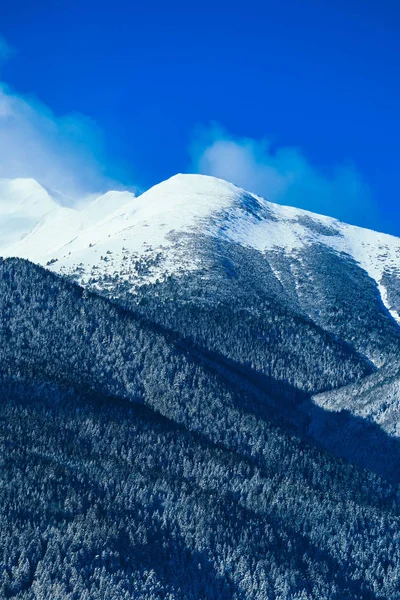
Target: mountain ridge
point(198, 247)
point(143, 239)
point(187, 203)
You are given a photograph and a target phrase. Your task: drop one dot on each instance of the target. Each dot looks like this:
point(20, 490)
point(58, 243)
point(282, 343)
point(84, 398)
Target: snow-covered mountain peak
point(187, 184)
point(115, 229)
point(23, 202)
point(187, 197)
point(100, 207)
point(214, 206)
point(34, 221)
point(24, 193)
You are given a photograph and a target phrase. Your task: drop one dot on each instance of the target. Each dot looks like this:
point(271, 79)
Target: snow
point(23, 202)
point(117, 225)
point(55, 226)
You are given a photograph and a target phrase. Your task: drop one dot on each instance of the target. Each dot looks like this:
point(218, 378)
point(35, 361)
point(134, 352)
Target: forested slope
point(132, 466)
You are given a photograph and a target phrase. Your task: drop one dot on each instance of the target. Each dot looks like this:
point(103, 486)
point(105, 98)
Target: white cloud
point(283, 175)
point(63, 153)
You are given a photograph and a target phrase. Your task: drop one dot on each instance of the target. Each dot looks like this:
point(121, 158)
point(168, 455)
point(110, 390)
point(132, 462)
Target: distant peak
point(102, 206)
point(111, 199)
point(22, 183)
point(117, 193)
point(24, 194)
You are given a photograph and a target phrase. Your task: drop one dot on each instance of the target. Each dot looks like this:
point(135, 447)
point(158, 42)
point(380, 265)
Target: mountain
point(200, 256)
point(123, 226)
point(200, 397)
point(132, 465)
point(23, 203)
point(37, 221)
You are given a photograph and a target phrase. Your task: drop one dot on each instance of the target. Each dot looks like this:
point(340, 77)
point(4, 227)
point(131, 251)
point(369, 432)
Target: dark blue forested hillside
point(138, 461)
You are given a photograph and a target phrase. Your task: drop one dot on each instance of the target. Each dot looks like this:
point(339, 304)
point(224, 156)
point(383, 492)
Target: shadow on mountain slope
point(55, 330)
point(129, 499)
point(340, 432)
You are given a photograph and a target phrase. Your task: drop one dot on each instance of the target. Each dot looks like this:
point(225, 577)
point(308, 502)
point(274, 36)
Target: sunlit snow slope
point(117, 231)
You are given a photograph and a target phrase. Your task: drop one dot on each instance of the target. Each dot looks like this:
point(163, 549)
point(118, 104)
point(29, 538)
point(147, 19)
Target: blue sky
point(295, 100)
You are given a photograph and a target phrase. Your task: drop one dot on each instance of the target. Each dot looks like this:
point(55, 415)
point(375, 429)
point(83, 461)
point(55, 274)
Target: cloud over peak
point(283, 175)
point(64, 153)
